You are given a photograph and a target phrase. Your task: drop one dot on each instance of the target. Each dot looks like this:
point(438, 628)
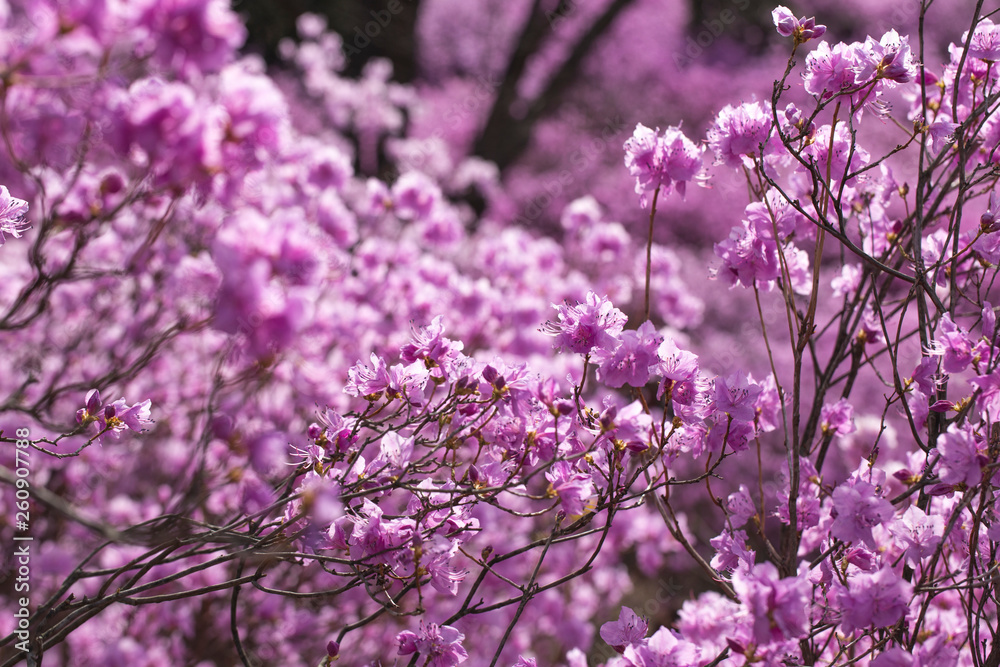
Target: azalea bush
point(303, 369)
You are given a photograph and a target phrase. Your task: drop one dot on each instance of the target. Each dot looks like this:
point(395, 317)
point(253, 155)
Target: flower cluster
point(113, 418)
point(668, 160)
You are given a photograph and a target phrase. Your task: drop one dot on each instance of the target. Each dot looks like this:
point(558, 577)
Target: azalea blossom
point(584, 327)
point(857, 509)
point(670, 160)
point(115, 417)
point(12, 212)
point(739, 133)
point(872, 599)
point(630, 628)
point(802, 29)
point(440, 645)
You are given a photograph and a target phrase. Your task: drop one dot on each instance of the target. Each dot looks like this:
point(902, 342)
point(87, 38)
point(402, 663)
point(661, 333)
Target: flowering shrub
point(367, 421)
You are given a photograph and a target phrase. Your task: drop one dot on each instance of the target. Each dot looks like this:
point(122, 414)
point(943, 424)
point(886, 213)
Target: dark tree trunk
point(505, 137)
point(369, 28)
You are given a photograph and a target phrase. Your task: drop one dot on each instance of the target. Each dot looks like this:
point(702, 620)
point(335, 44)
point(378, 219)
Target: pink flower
point(917, 533)
point(846, 283)
point(332, 649)
point(92, 411)
point(596, 323)
point(193, 36)
point(748, 257)
point(888, 59)
point(860, 558)
point(847, 155)
point(572, 487)
point(736, 434)
point(988, 222)
point(779, 607)
point(871, 327)
point(405, 382)
point(894, 657)
point(367, 381)
point(942, 131)
point(925, 375)
point(119, 415)
point(440, 645)
point(878, 598)
point(740, 506)
point(180, 136)
point(807, 509)
point(989, 399)
point(739, 132)
point(774, 212)
point(414, 196)
point(114, 417)
point(632, 361)
point(664, 649)
point(735, 396)
point(328, 167)
point(437, 559)
point(985, 43)
point(395, 451)
point(630, 628)
point(430, 346)
point(580, 215)
point(375, 537)
point(666, 161)
point(857, 509)
point(954, 345)
point(829, 71)
point(334, 431)
point(676, 366)
point(629, 426)
point(802, 29)
point(731, 551)
point(962, 456)
point(837, 418)
point(768, 406)
point(12, 212)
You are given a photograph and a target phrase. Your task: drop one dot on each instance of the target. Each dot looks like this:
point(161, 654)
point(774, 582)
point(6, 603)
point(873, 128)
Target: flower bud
point(941, 490)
